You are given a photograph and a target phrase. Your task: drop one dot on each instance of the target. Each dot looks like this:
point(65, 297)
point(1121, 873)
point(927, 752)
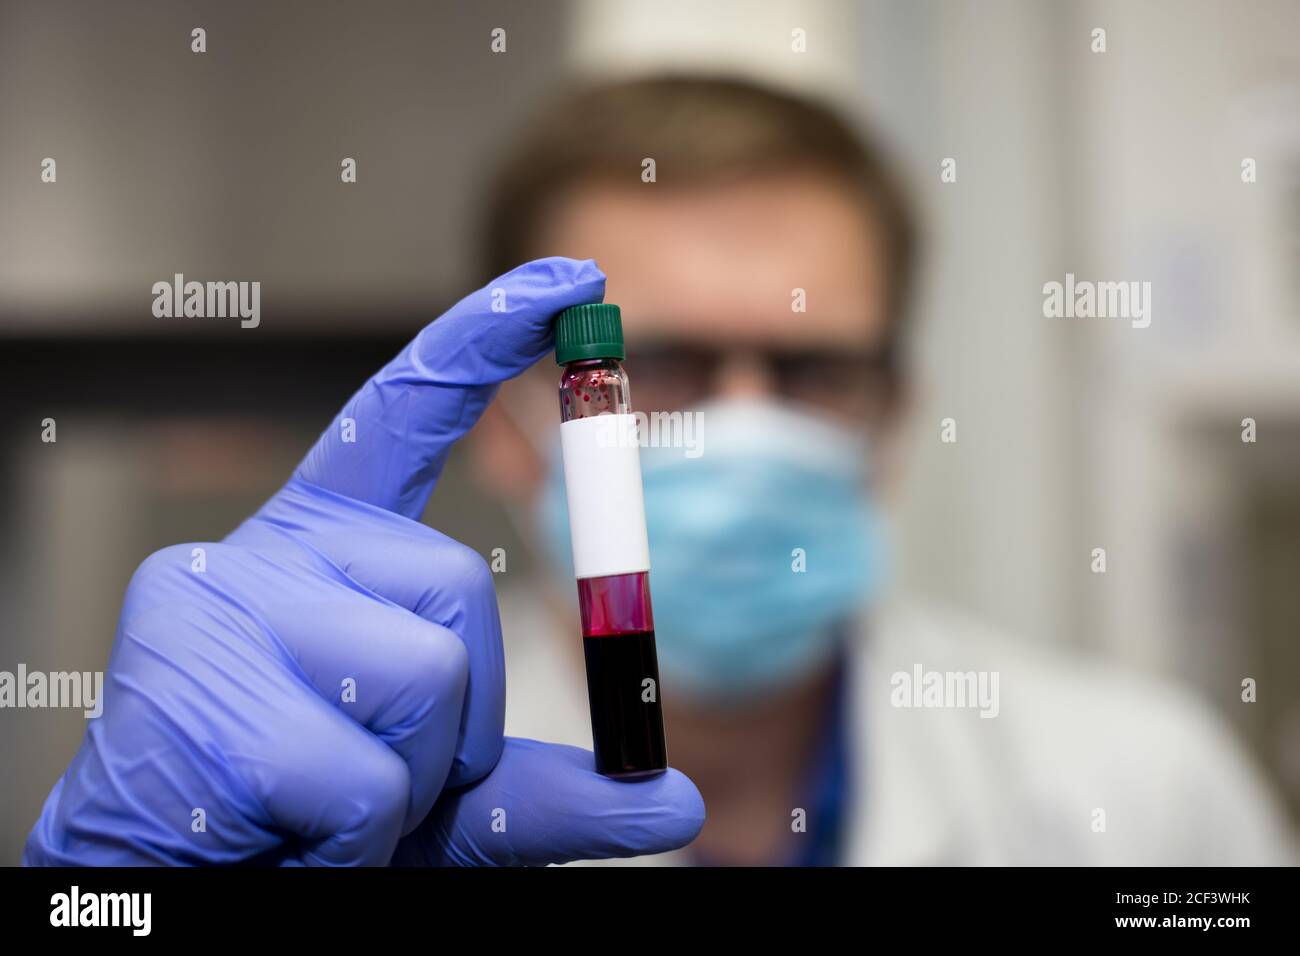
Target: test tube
point(611, 555)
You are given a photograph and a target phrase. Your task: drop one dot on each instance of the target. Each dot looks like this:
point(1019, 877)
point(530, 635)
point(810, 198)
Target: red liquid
point(618, 636)
point(618, 641)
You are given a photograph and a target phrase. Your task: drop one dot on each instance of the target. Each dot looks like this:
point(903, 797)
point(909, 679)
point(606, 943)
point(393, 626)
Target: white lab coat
point(1071, 741)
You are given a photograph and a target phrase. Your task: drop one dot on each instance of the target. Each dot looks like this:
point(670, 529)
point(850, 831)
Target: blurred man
point(762, 254)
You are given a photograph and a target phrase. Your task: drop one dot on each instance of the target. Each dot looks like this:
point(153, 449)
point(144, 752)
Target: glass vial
point(602, 473)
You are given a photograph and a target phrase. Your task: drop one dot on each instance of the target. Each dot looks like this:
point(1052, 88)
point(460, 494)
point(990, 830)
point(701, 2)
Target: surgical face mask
point(761, 548)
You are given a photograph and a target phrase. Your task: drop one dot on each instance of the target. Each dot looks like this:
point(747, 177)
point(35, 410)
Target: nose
point(743, 375)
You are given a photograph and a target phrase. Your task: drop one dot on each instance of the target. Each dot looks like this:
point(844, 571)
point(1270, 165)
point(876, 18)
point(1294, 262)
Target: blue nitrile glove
point(539, 794)
point(330, 677)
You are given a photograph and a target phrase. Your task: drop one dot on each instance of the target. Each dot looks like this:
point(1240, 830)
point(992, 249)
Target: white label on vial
point(602, 480)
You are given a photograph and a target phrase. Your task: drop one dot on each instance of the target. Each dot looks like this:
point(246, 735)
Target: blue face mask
point(761, 548)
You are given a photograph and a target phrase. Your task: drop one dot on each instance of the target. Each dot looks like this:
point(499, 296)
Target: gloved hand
point(330, 677)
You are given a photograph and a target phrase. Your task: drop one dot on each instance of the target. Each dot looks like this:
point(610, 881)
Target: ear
point(503, 459)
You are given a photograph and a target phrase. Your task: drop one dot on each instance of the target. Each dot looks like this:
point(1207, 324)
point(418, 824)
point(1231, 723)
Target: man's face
point(708, 279)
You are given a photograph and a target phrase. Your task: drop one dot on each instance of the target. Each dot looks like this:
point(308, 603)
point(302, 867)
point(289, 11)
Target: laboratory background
point(1074, 434)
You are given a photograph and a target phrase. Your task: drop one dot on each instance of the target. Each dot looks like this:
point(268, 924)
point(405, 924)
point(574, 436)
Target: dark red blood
point(627, 731)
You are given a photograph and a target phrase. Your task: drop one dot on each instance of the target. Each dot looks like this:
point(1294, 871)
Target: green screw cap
point(588, 332)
